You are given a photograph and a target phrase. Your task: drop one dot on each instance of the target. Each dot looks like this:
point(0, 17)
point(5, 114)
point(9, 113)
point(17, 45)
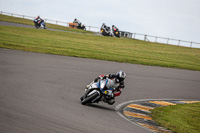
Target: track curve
point(40, 92)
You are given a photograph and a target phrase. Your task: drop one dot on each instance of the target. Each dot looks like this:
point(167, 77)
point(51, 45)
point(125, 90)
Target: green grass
point(30, 22)
point(182, 118)
point(99, 47)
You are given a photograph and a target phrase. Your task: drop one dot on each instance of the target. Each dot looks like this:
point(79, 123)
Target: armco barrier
point(165, 40)
point(138, 36)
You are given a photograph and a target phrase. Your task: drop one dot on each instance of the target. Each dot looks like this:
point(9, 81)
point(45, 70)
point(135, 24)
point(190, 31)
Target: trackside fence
point(138, 36)
point(165, 40)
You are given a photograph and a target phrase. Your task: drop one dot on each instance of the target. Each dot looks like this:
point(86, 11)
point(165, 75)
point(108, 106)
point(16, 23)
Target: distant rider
point(103, 26)
point(114, 28)
point(114, 85)
point(77, 21)
point(39, 20)
point(106, 29)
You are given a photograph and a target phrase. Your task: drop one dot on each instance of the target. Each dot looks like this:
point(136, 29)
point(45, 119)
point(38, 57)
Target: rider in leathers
point(114, 28)
point(76, 21)
point(105, 28)
point(114, 85)
point(39, 20)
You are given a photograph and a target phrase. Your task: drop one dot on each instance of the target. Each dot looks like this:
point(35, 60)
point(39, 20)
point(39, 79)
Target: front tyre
point(89, 98)
point(37, 26)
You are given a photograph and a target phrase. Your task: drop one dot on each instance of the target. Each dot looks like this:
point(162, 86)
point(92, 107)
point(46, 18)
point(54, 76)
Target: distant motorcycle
point(97, 93)
point(81, 26)
point(38, 23)
point(106, 31)
point(116, 32)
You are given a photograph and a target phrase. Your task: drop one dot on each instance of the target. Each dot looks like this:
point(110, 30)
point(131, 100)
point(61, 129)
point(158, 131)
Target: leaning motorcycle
point(96, 93)
point(38, 23)
point(116, 32)
point(81, 26)
point(107, 32)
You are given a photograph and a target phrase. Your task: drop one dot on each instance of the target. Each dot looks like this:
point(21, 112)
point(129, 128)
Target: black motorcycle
point(116, 32)
point(38, 23)
point(81, 26)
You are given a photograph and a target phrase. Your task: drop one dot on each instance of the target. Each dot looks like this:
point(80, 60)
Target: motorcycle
point(116, 32)
point(106, 31)
point(38, 23)
point(96, 93)
point(81, 26)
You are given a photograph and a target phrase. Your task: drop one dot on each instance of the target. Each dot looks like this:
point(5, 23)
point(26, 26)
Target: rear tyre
point(90, 98)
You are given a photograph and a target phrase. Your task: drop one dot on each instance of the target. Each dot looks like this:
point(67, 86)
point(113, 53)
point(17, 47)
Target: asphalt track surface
point(40, 93)
point(31, 26)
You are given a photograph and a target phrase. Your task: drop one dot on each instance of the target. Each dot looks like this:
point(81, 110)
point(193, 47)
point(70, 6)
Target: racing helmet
point(120, 76)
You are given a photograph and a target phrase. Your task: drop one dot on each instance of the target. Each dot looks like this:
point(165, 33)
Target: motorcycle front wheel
point(89, 98)
point(37, 26)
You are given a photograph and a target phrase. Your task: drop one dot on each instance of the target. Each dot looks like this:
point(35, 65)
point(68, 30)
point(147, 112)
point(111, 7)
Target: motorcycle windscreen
point(102, 84)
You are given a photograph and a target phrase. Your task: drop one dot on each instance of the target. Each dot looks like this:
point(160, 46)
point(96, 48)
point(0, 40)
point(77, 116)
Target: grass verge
point(182, 118)
point(95, 47)
point(99, 47)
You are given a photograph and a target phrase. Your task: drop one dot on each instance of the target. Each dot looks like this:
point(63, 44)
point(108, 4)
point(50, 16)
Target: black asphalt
point(40, 92)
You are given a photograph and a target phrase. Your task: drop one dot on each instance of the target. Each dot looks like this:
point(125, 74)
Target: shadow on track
point(100, 107)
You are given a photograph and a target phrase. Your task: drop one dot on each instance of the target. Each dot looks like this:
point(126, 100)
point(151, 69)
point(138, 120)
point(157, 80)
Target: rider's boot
point(109, 97)
point(111, 101)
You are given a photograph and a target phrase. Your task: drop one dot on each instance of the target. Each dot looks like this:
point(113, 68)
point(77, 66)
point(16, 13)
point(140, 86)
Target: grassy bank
point(96, 47)
point(99, 47)
point(30, 22)
point(179, 118)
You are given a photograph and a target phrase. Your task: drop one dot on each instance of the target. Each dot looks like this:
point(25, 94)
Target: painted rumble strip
point(139, 112)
